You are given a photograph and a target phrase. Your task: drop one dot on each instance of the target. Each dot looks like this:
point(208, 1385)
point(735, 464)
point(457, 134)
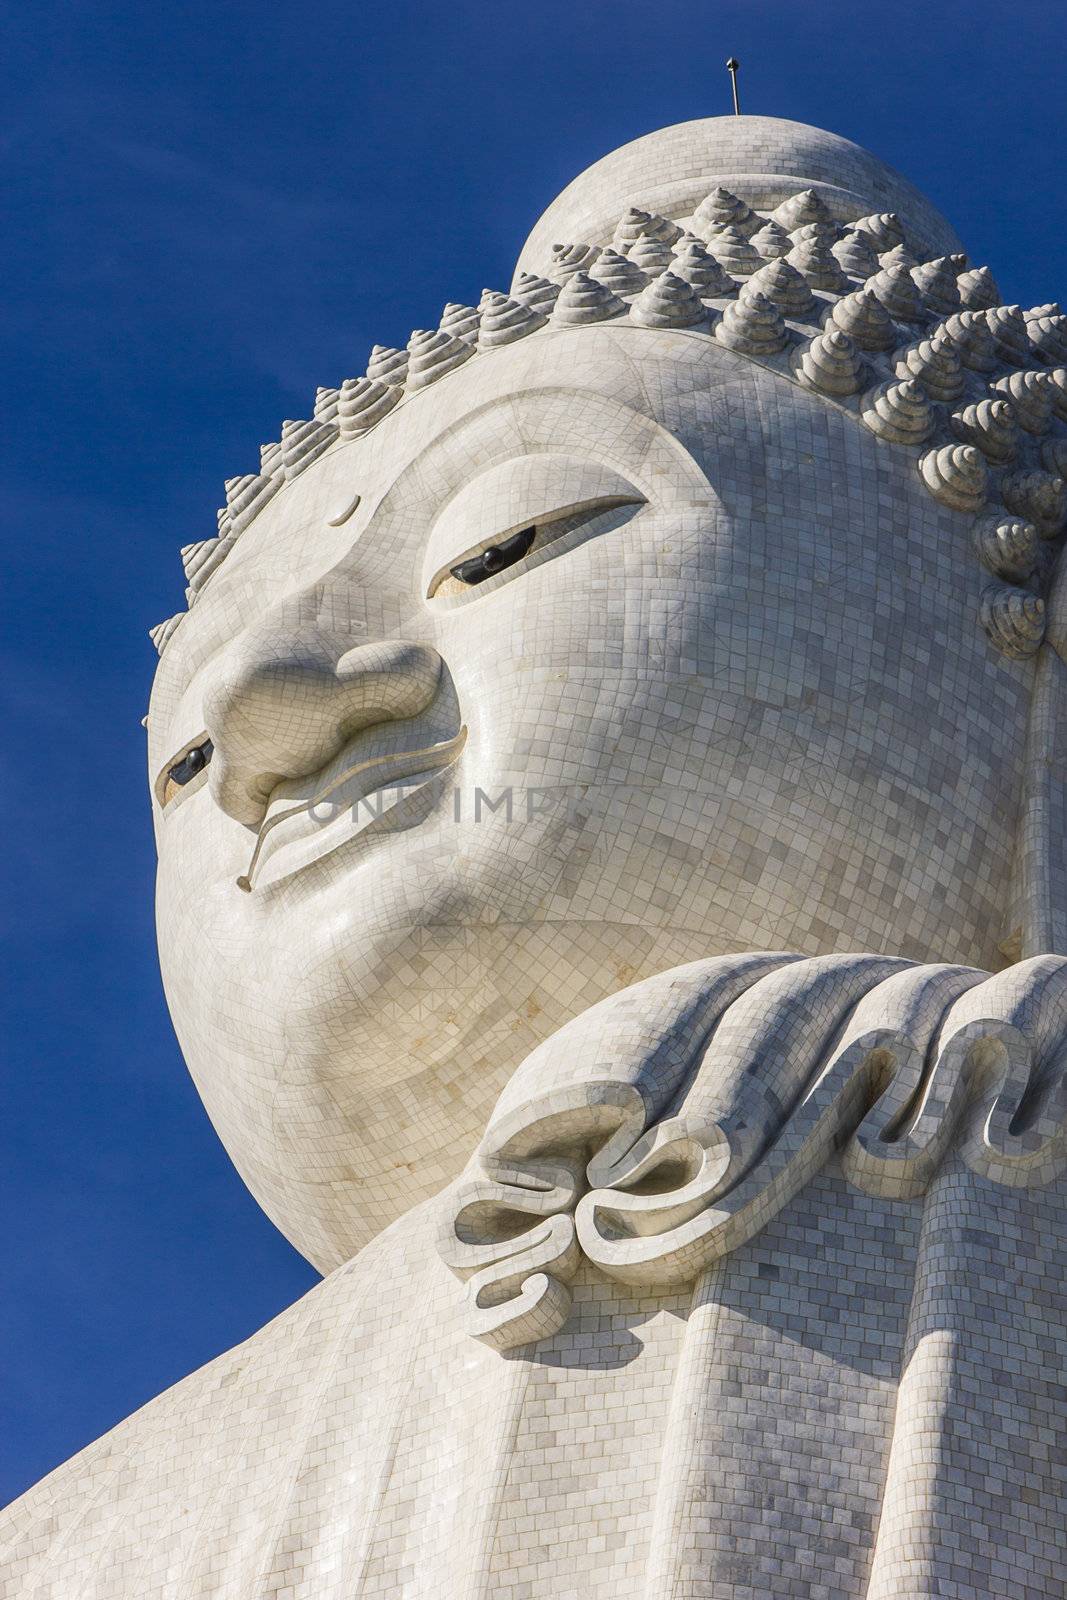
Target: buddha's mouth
point(338, 803)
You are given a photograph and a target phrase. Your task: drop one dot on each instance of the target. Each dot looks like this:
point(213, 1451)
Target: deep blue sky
point(210, 209)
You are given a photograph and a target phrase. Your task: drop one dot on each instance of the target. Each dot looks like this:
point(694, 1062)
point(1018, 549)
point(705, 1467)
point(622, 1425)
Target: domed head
point(762, 161)
point(604, 647)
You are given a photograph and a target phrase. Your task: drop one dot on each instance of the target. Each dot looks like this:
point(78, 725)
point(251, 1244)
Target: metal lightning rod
point(732, 67)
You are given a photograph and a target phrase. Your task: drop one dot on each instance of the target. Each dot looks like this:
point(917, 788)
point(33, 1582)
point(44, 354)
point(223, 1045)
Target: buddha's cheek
point(219, 974)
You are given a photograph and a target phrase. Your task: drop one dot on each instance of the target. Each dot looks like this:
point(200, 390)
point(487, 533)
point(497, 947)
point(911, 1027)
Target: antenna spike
point(733, 66)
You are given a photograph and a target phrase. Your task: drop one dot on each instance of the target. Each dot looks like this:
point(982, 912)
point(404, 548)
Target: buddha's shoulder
point(155, 1475)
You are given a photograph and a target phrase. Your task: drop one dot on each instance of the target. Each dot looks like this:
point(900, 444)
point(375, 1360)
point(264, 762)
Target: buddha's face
point(728, 693)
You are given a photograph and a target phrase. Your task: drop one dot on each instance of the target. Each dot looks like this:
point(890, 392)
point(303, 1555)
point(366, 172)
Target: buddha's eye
point(495, 558)
point(507, 516)
point(490, 558)
point(179, 774)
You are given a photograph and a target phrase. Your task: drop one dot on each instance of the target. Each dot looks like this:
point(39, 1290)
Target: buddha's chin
point(466, 997)
point(365, 1038)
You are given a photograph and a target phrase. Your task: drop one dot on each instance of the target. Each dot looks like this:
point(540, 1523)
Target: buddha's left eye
point(180, 773)
point(514, 514)
point(492, 557)
point(495, 558)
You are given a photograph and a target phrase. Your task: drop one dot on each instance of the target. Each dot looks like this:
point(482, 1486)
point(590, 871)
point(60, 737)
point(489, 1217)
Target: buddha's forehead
point(650, 405)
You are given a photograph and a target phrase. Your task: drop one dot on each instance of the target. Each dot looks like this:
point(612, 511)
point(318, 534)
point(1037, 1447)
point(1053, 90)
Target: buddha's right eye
point(181, 773)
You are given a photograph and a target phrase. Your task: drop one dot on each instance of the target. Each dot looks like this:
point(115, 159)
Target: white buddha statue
point(608, 787)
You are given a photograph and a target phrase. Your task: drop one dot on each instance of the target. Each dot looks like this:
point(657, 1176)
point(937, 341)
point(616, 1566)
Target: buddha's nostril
point(283, 707)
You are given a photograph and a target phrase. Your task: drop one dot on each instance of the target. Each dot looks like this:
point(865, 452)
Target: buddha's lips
point(354, 783)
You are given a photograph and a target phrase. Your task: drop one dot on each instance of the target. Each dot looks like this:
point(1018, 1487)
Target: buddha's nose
point(291, 694)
